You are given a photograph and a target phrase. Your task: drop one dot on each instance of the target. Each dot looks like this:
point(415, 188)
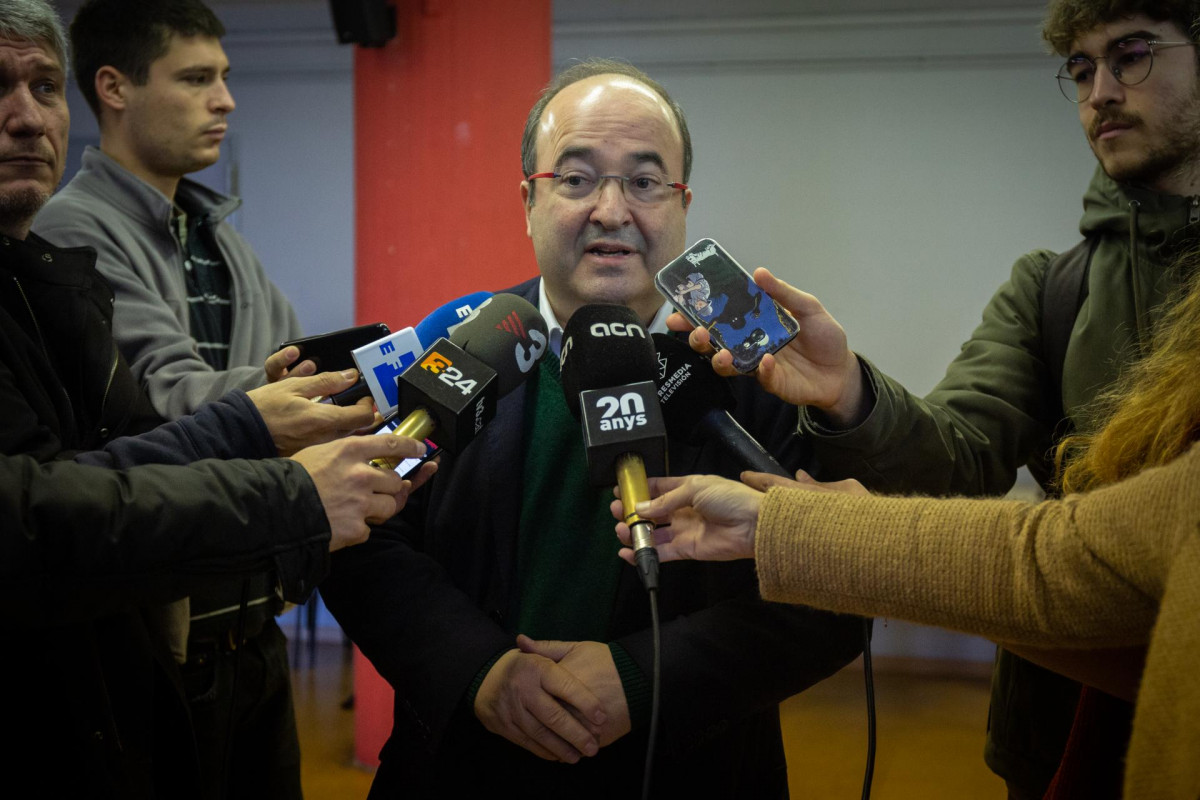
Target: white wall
point(898, 188)
point(295, 153)
point(892, 163)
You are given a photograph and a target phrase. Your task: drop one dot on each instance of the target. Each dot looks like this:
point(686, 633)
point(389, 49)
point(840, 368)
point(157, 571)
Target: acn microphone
point(608, 367)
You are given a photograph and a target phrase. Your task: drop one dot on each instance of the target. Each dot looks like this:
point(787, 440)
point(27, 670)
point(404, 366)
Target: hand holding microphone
point(709, 518)
point(352, 493)
point(704, 518)
point(296, 422)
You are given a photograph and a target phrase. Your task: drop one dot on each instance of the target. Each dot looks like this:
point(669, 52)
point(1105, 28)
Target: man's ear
point(112, 88)
point(527, 203)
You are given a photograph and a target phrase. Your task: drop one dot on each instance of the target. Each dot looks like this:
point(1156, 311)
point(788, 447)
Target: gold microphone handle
point(631, 477)
point(417, 425)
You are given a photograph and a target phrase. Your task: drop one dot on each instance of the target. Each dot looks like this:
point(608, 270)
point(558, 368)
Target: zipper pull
point(1194, 212)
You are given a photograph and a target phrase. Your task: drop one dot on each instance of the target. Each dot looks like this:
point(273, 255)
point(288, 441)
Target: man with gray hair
point(94, 692)
point(31, 163)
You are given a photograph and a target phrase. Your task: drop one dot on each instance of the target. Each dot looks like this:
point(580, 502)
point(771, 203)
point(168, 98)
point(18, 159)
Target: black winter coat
point(86, 555)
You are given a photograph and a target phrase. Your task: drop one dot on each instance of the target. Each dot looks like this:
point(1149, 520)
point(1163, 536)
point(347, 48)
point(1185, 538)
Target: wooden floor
point(930, 736)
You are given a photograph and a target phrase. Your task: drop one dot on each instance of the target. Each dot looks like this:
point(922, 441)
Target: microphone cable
point(869, 678)
point(631, 478)
point(655, 681)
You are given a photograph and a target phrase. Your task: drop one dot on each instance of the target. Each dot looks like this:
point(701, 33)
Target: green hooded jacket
point(997, 409)
point(993, 410)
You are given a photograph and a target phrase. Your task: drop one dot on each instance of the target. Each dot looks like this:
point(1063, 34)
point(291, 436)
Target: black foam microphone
point(449, 393)
point(507, 332)
point(608, 368)
point(696, 403)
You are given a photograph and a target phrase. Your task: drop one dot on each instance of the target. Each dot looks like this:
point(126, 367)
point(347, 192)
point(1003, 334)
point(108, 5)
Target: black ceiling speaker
point(370, 23)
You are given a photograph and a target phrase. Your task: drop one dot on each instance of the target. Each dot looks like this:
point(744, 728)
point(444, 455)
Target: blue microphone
point(441, 322)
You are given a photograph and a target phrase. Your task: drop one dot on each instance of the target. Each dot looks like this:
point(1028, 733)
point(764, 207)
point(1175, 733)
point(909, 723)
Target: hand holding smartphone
point(331, 352)
point(714, 292)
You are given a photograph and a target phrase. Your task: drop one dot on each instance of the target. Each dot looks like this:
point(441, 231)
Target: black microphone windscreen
point(508, 334)
point(688, 389)
point(604, 346)
point(696, 402)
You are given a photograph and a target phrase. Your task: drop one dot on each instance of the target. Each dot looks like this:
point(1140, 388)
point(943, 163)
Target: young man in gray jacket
point(195, 315)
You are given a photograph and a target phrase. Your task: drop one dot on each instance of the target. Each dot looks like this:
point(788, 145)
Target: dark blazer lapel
point(501, 458)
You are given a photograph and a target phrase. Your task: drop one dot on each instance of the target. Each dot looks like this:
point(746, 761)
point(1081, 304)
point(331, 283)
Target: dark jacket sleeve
point(228, 428)
point(422, 633)
point(423, 597)
point(739, 656)
point(984, 419)
point(80, 541)
point(24, 431)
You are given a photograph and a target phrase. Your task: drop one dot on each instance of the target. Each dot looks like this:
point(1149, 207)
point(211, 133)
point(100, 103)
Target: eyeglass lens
point(647, 188)
point(1129, 60)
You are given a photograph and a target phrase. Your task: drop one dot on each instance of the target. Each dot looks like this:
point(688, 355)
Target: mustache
point(630, 239)
point(1115, 116)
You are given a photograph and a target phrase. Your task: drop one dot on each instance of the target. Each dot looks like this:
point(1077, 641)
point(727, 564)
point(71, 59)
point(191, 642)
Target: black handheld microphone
point(452, 388)
point(608, 368)
point(506, 332)
point(696, 403)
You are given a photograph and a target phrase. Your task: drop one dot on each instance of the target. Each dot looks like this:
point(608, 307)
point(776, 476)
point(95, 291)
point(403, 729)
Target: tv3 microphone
point(608, 367)
point(450, 392)
point(383, 360)
point(696, 403)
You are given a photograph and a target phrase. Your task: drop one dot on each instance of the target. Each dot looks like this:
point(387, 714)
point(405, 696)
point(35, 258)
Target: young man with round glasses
point(1133, 70)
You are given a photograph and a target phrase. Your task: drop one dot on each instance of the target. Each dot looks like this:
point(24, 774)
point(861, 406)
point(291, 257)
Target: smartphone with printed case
point(711, 289)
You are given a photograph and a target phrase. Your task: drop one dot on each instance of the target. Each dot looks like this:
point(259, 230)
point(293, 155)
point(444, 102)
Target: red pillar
point(438, 116)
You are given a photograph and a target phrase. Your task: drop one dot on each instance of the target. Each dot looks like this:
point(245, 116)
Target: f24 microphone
point(450, 392)
point(608, 367)
point(696, 403)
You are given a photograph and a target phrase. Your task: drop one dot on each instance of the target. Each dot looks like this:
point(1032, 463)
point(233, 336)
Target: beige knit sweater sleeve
point(1085, 571)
